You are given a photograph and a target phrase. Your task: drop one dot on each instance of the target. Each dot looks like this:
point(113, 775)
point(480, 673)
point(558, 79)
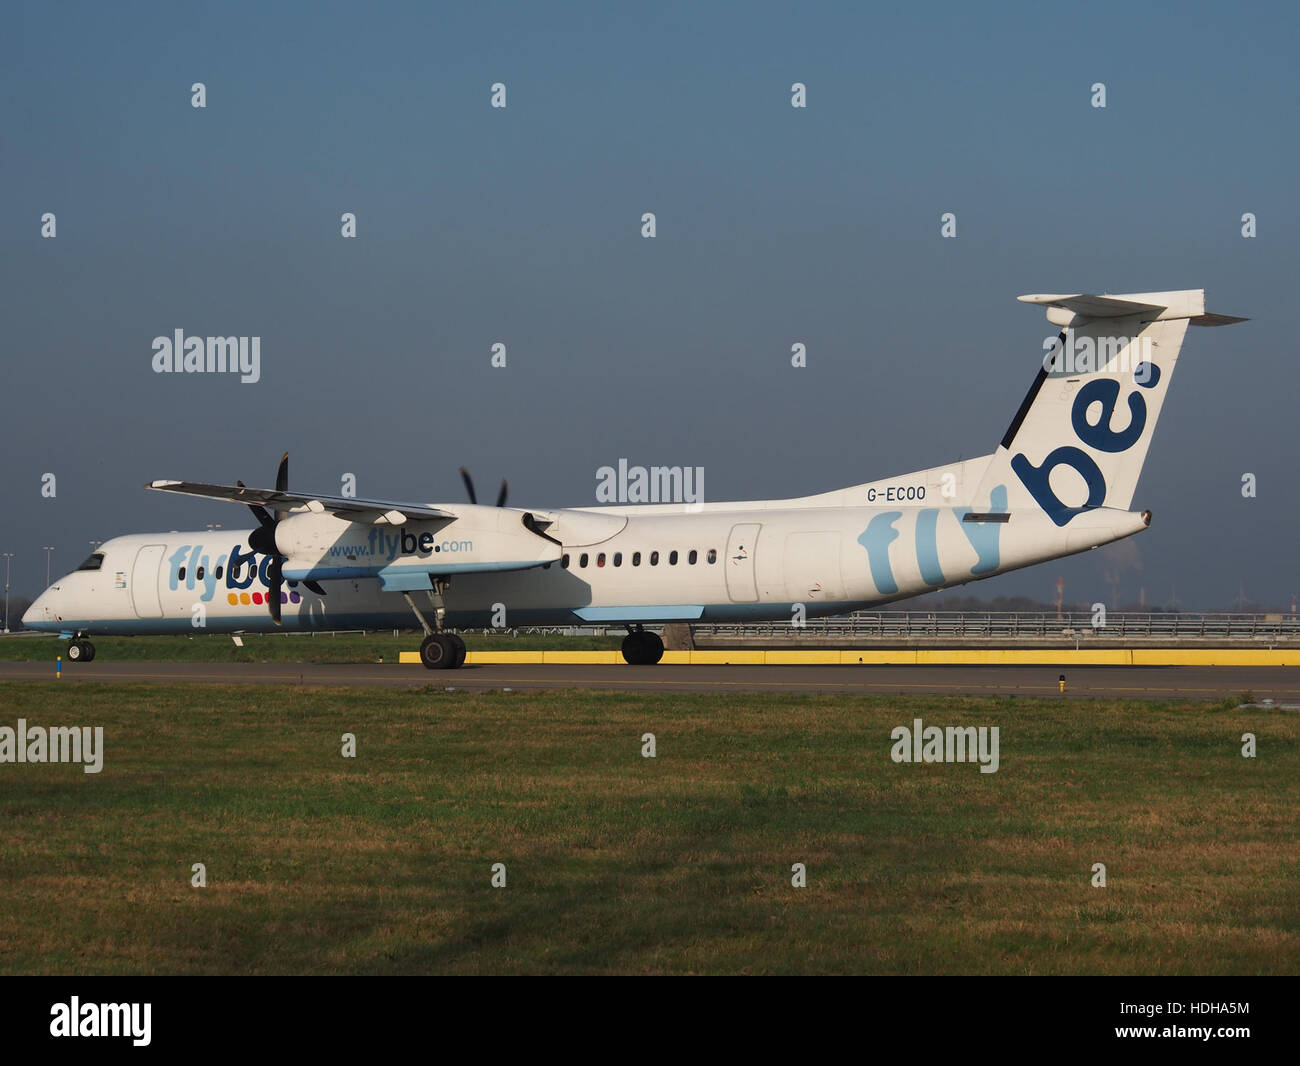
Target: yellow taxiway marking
point(905, 657)
point(468, 679)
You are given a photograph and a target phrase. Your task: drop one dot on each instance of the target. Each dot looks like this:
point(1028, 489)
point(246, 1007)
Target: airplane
point(1061, 481)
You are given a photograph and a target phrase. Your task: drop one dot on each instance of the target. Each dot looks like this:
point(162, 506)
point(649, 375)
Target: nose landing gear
point(81, 651)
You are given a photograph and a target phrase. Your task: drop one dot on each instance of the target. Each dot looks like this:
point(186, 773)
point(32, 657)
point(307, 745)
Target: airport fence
point(995, 625)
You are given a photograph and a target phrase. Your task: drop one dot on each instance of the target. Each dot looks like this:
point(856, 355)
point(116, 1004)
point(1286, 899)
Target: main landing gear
point(641, 648)
point(442, 651)
point(439, 650)
point(81, 651)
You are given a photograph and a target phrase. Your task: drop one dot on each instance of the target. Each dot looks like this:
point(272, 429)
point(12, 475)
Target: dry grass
point(618, 863)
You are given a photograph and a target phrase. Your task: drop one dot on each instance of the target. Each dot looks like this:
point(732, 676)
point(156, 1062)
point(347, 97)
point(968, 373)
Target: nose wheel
point(641, 648)
point(81, 651)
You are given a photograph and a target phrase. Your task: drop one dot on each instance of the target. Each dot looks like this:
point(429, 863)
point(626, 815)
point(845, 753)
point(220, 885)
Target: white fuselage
point(757, 562)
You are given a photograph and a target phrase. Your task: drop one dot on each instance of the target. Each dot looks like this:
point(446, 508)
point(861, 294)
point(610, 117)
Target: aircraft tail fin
point(1081, 435)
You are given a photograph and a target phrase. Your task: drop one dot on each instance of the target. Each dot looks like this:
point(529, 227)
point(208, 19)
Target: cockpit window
point(93, 563)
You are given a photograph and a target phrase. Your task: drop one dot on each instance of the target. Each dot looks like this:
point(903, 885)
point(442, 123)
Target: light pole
point(47, 548)
point(8, 556)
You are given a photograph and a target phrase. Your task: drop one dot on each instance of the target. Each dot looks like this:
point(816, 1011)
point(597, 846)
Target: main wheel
point(459, 660)
point(634, 649)
point(642, 649)
point(654, 648)
point(90, 651)
point(438, 652)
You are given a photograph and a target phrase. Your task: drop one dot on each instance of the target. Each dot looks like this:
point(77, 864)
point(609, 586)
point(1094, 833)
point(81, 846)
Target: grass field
point(283, 648)
point(625, 864)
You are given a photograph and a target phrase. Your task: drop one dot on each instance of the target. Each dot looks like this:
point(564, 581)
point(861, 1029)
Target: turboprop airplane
point(1061, 481)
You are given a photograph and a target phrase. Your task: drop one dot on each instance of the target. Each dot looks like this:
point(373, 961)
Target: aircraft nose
point(38, 612)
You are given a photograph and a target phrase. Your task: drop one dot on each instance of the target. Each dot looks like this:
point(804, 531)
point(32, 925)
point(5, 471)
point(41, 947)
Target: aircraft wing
point(376, 512)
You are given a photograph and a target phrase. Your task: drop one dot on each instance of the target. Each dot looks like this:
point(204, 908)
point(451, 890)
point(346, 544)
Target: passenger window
point(713, 555)
point(236, 571)
point(600, 559)
point(654, 558)
point(693, 557)
point(636, 558)
point(618, 558)
point(672, 558)
point(564, 561)
point(582, 561)
point(180, 574)
point(199, 573)
point(217, 572)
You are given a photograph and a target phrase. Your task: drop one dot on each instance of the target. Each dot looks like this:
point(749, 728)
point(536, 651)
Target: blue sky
point(522, 225)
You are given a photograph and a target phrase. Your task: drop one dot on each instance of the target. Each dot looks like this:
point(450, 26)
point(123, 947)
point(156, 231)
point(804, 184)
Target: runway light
point(1061, 682)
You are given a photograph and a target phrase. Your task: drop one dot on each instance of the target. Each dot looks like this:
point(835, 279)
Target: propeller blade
point(315, 587)
point(275, 581)
point(473, 496)
point(469, 485)
point(262, 515)
point(282, 484)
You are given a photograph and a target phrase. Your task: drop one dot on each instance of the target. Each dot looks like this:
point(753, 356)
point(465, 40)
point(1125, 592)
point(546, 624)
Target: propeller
point(262, 540)
point(530, 521)
point(473, 497)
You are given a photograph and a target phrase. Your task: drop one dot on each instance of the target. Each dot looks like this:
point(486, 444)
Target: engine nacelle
point(322, 547)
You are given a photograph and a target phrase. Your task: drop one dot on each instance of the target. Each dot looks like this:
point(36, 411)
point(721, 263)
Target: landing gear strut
point(641, 648)
point(439, 650)
point(81, 651)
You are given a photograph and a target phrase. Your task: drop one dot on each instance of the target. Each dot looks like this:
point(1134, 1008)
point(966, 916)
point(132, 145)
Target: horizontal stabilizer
point(1074, 309)
point(1215, 320)
point(1094, 306)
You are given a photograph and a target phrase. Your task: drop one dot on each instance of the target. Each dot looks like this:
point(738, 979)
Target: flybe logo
point(983, 537)
point(387, 545)
point(192, 568)
point(1103, 392)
